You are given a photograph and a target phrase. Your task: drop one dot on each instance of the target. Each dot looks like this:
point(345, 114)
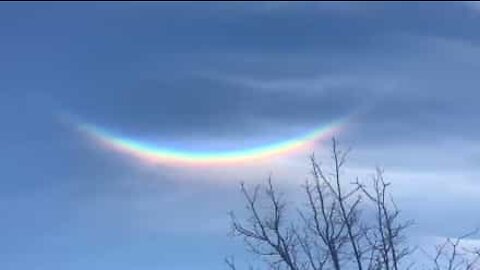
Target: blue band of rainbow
point(154, 153)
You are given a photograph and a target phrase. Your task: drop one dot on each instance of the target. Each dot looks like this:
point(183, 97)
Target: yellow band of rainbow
point(153, 153)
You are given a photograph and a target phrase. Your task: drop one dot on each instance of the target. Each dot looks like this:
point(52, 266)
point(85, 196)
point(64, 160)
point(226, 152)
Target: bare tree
point(332, 230)
point(454, 254)
point(267, 233)
point(386, 236)
point(334, 212)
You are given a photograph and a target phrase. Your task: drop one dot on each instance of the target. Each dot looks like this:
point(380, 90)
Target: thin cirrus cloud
point(222, 76)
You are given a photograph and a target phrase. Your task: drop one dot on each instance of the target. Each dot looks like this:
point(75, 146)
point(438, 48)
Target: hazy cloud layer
point(405, 73)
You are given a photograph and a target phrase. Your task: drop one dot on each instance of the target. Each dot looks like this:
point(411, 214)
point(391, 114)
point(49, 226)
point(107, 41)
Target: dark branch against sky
point(407, 74)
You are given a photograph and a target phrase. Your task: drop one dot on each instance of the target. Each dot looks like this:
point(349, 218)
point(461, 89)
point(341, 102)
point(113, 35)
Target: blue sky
point(197, 74)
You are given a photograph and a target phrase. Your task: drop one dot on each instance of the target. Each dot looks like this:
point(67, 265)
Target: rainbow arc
point(155, 153)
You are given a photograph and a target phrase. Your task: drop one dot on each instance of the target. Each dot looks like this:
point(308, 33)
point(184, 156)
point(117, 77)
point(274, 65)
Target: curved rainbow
point(152, 153)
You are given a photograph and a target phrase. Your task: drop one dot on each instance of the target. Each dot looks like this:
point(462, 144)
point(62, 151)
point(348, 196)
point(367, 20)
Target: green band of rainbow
point(153, 153)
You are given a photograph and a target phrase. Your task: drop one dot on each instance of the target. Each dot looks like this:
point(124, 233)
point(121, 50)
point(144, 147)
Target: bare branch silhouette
point(332, 232)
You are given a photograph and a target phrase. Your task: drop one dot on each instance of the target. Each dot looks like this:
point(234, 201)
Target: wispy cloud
point(474, 5)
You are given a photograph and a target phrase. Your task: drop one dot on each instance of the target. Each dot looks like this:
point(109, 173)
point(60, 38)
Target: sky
point(396, 82)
